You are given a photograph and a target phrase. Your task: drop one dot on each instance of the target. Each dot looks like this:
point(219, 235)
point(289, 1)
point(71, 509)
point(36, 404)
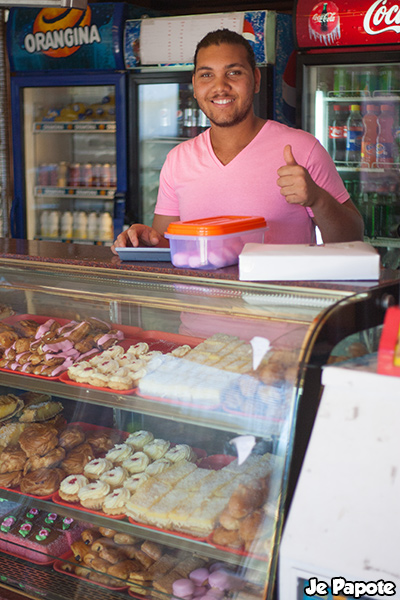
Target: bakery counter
point(166, 411)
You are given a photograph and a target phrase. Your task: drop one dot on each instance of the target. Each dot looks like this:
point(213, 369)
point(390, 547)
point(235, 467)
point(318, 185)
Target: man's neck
point(227, 142)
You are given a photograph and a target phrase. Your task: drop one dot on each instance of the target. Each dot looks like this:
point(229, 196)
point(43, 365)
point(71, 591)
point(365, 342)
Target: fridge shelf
point(76, 192)
point(352, 97)
point(388, 169)
point(81, 127)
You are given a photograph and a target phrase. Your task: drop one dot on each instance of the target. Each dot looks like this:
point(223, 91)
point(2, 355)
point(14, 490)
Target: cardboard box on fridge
point(295, 262)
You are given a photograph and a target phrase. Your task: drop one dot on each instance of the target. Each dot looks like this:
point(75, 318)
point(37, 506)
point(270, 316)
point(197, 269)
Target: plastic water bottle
point(355, 130)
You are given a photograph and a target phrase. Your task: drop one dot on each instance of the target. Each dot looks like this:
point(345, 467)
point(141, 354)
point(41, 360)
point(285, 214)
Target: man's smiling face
point(224, 84)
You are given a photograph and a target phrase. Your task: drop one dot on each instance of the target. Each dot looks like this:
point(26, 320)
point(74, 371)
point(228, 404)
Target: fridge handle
point(119, 212)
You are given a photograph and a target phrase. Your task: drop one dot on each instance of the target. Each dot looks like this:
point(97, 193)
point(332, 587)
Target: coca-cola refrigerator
point(162, 110)
point(348, 96)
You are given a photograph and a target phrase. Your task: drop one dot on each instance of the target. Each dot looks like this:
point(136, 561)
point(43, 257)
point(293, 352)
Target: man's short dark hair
point(226, 36)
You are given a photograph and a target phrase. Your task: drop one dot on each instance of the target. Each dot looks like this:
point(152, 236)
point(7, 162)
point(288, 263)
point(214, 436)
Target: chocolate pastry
point(26, 328)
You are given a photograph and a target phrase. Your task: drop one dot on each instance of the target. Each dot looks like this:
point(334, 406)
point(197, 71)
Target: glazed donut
point(42, 482)
point(38, 438)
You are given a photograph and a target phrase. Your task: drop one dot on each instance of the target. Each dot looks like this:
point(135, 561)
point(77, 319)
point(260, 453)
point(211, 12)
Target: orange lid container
point(216, 226)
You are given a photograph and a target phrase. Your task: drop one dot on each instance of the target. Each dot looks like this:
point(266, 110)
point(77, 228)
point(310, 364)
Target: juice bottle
point(385, 139)
point(368, 143)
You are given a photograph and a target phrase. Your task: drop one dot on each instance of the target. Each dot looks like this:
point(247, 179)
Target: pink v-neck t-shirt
point(194, 184)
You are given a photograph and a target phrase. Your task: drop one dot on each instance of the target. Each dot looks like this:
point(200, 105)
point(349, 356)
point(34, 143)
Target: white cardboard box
point(310, 262)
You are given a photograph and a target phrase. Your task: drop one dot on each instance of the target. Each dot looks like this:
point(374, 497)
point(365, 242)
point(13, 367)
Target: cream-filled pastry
point(119, 453)
point(114, 477)
point(138, 439)
point(157, 448)
point(136, 463)
point(96, 467)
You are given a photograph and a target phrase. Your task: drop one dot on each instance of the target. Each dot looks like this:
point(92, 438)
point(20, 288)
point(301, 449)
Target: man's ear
point(257, 80)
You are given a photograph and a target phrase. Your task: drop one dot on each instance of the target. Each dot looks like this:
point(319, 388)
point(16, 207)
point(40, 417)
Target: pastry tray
point(128, 331)
point(157, 341)
point(57, 566)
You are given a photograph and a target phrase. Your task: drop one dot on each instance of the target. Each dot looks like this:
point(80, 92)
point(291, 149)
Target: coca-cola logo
point(324, 23)
point(380, 18)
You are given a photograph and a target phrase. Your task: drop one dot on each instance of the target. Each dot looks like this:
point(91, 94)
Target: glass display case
point(154, 422)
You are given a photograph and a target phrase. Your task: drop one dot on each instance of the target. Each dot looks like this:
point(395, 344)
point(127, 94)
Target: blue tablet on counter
point(144, 254)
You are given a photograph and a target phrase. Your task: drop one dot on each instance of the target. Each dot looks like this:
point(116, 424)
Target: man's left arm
point(338, 222)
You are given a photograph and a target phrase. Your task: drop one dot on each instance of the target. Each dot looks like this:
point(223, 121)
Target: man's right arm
point(143, 235)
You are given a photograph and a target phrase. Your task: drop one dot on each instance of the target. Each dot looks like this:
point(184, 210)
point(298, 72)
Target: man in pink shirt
point(245, 165)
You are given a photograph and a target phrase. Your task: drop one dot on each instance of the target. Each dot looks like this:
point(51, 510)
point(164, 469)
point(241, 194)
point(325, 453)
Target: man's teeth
point(222, 101)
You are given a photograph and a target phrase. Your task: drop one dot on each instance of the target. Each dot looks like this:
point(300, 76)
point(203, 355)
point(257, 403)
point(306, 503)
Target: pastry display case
point(154, 422)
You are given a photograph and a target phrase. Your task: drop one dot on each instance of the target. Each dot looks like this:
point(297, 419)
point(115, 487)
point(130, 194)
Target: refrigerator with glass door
point(69, 122)
point(348, 96)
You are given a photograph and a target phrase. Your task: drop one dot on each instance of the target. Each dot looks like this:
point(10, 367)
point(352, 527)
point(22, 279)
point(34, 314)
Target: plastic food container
point(214, 242)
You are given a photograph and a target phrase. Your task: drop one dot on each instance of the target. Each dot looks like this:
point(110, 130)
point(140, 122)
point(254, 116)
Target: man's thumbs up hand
point(294, 180)
point(288, 156)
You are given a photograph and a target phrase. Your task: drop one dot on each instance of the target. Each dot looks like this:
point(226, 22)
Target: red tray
point(18, 491)
point(57, 567)
point(215, 462)
point(237, 551)
point(165, 343)
point(36, 562)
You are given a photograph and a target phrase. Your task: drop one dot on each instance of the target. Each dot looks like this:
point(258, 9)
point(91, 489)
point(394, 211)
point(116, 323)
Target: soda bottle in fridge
point(354, 135)
point(338, 133)
point(368, 143)
point(385, 139)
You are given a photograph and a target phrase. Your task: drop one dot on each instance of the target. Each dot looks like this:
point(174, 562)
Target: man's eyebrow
point(231, 66)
